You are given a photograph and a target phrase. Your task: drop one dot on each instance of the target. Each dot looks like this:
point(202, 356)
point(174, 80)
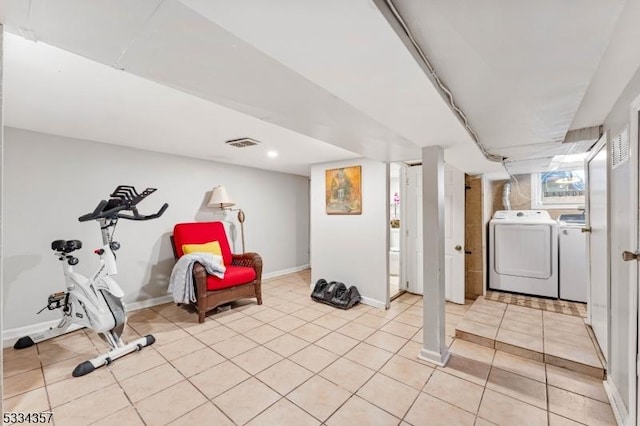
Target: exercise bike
point(96, 302)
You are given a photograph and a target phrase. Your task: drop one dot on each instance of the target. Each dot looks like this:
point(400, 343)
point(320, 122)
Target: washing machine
point(523, 252)
point(572, 258)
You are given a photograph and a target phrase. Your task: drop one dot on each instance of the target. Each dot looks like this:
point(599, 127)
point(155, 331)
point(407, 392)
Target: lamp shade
point(219, 198)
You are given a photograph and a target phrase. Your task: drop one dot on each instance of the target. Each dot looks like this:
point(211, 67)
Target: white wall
point(623, 333)
point(50, 181)
point(1, 174)
point(352, 248)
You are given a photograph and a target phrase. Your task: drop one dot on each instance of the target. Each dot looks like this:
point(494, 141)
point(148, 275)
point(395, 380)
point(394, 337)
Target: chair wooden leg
point(201, 314)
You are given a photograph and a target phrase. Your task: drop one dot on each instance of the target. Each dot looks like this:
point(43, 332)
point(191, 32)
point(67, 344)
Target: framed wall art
point(343, 188)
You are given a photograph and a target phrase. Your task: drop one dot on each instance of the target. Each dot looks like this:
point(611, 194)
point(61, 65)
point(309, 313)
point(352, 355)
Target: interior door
point(637, 281)
point(635, 278)
point(403, 223)
point(454, 233)
point(413, 231)
point(597, 243)
point(624, 280)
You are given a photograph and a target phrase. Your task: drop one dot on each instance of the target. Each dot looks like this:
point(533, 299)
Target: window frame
point(536, 195)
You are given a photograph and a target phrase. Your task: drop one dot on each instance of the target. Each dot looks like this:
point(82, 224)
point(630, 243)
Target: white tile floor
point(292, 361)
point(542, 335)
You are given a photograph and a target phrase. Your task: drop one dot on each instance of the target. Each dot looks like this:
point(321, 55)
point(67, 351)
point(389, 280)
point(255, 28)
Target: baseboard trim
point(10, 336)
point(147, 303)
point(373, 302)
point(285, 271)
point(620, 413)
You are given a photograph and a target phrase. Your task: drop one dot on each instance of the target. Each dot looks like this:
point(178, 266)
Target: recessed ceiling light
point(272, 154)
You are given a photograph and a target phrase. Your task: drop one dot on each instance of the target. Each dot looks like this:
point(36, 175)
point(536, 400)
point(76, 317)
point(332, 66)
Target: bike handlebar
point(95, 213)
point(137, 216)
point(123, 198)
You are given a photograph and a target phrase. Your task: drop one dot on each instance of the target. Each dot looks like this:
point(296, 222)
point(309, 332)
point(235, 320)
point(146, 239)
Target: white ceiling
point(53, 91)
point(358, 89)
point(520, 70)
point(317, 81)
point(617, 66)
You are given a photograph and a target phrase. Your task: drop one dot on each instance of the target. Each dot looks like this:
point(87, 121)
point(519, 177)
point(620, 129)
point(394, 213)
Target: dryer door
point(523, 250)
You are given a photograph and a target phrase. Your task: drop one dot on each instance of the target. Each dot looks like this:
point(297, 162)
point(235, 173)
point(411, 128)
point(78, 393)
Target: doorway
point(597, 242)
point(397, 282)
point(622, 367)
point(454, 233)
point(473, 247)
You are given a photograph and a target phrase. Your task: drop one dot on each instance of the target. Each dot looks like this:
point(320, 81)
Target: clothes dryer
point(523, 252)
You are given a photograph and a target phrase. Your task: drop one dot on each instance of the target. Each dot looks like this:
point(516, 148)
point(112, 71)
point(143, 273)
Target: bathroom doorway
point(397, 281)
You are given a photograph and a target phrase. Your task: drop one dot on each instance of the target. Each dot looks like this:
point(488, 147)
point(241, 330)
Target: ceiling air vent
point(620, 149)
point(242, 142)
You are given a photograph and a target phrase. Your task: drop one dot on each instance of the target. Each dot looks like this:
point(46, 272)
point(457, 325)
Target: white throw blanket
point(181, 281)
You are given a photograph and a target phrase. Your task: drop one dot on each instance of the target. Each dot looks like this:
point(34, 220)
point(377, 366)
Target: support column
point(434, 348)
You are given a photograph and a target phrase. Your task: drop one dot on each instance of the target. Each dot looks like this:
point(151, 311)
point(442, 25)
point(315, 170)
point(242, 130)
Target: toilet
point(394, 262)
point(394, 252)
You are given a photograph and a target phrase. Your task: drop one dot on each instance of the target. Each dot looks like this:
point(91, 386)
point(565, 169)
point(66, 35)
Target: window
point(559, 189)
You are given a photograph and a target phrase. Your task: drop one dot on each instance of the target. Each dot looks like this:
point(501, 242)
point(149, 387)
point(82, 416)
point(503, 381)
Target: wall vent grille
point(242, 142)
point(620, 149)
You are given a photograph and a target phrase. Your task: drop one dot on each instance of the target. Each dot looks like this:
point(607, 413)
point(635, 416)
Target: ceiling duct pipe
point(399, 23)
point(506, 196)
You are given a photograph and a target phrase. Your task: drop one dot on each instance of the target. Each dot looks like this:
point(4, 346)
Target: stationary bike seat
point(66, 246)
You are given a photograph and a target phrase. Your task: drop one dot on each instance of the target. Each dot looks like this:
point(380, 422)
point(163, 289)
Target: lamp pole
point(241, 220)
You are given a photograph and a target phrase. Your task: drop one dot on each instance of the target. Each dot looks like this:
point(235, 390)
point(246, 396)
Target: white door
point(621, 362)
point(597, 244)
point(403, 223)
point(634, 284)
point(636, 135)
point(413, 231)
point(454, 233)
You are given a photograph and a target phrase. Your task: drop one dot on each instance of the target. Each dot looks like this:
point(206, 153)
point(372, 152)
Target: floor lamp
point(221, 200)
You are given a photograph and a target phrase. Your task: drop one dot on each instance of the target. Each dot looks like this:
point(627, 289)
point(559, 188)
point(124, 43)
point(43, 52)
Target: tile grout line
point(353, 394)
point(187, 379)
point(383, 322)
point(84, 332)
point(291, 360)
point(484, 389)
point(305, 381)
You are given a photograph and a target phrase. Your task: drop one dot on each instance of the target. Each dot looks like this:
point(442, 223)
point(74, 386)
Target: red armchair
point(242, 279)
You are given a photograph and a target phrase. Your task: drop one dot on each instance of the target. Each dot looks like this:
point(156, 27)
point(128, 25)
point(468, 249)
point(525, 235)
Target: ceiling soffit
point(518, 70)
point(171, 44)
